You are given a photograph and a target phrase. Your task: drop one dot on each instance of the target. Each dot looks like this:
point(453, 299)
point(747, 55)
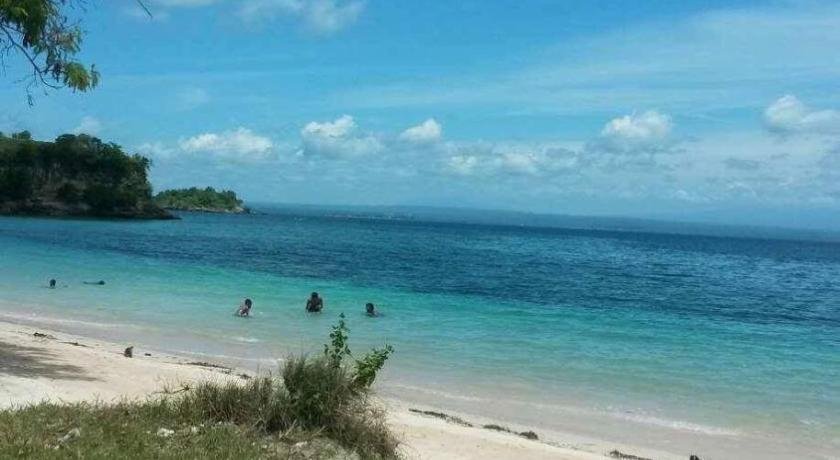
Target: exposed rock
point(525, 434)
point(129, 352)
point(206, 364)
point(621, 455)
point(41, 335)
point(441, 415)
point(529, 435)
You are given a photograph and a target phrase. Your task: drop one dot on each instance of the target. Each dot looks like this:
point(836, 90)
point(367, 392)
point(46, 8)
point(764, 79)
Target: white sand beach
point(57, 366)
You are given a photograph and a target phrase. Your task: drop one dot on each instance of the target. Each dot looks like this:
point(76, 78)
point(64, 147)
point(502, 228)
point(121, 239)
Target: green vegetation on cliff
point(76, 175)
point(197, 199)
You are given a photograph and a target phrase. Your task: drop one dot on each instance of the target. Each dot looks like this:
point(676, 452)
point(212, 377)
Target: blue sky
point(725, 111)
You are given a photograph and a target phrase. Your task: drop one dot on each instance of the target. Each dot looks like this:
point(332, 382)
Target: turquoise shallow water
point(726, 344)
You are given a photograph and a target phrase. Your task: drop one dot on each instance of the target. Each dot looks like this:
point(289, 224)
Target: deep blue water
point(714, 335)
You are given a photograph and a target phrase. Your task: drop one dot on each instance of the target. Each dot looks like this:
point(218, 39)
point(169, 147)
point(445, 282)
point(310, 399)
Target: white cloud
point(428, 131)
point(155, 150)
point(538, 160)
point(88, 125)
point(342, 126)
point(238, 144)
point(525, 159)
point(520, 162)
point(320, 16)
point(789, 115)
point(463, 165)
point(337, 139)
point(648, 127)
point(632, 139)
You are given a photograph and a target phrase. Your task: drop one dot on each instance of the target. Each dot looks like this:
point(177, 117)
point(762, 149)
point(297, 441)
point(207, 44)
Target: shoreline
point(66, 367)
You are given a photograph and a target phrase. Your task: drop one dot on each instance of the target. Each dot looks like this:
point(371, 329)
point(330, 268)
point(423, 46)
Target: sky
point(724, 111)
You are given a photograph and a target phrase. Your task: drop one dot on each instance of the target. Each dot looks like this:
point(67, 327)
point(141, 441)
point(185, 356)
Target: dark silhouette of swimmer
point(95, 283)
point(245, 308)
point(314, 304)
point(370, 310)
point(52, 284)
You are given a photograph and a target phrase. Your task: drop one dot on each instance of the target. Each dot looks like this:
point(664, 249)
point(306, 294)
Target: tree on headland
point(73, 175)
point(198, 199)
point(21, 136)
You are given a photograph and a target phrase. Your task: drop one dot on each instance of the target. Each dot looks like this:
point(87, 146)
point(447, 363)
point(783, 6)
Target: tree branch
point(143, 5)
point(37, 71)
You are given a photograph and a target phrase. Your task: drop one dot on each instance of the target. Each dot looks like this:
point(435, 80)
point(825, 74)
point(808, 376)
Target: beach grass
point(316, 407)
point(265, 417)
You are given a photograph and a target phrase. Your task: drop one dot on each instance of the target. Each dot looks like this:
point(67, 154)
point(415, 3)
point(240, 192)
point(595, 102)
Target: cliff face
point(74, 176)
point(47, 208)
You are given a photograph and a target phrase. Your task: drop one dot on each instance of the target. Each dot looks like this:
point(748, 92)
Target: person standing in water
point(245, 308)
point(52, 283)
point(315, 304)
point(370, 310)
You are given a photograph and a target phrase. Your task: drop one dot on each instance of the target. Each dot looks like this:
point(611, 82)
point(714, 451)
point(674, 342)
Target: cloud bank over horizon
point(633, 157)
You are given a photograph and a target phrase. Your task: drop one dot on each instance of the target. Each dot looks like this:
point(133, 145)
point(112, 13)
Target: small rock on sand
point(129, 352)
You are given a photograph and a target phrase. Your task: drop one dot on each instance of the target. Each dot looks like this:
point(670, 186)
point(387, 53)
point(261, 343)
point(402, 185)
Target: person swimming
point(315, 304)
point(370, 310)
point(52, 283)
point(245, 308)
point(95, 283)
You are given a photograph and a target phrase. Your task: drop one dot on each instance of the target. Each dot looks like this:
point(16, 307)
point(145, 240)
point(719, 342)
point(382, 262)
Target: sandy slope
point(71, 368)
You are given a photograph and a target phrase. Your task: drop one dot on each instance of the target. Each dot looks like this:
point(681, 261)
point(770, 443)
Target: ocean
point(727, 347)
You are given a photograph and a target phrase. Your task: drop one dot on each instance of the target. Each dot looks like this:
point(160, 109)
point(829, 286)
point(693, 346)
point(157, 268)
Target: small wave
point(438, 393)
point(246, 339)
point(677, 424)
point(35, 320)
point(811, 422)
point(221, 357)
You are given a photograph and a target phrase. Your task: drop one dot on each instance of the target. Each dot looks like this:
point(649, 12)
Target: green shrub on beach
point(367, 367)
point(316, 407)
